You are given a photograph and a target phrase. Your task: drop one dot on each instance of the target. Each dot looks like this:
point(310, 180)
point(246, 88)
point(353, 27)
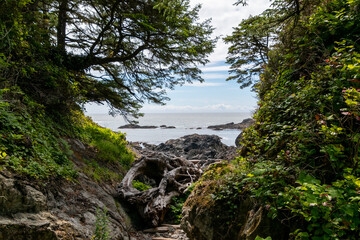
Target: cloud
point(225, 16)
point(197, 109)
point(222, 76)
point(203, 84)
point(215, 68)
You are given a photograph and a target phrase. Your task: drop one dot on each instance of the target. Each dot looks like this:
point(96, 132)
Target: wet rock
point(195, 146)
point(244, 124)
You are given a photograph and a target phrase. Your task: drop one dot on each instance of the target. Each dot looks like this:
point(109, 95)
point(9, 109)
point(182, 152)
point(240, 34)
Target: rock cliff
point(58, 208)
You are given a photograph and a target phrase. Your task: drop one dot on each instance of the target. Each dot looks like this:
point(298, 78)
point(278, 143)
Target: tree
point(119, 52)
point(254, 37)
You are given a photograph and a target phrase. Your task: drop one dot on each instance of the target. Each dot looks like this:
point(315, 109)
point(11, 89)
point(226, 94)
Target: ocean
point(184, 123)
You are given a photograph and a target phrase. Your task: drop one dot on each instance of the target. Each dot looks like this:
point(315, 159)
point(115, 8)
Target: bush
point(140, 185)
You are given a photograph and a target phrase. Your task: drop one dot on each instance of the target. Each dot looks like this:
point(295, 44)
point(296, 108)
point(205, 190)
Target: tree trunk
point(169, 176)
point(61, 26)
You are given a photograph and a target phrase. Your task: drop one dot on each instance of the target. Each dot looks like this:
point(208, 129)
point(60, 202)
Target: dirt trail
point(166, 232)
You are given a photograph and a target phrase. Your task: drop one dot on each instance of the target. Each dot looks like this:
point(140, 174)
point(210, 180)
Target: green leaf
point(306, 178)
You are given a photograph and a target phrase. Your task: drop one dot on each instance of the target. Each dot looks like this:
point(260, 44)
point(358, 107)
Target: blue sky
point(215, 94)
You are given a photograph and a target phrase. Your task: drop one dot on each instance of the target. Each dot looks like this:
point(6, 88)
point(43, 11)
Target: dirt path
point(166, 232)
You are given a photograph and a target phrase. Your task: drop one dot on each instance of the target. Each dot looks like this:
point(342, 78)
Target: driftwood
point(168, 175)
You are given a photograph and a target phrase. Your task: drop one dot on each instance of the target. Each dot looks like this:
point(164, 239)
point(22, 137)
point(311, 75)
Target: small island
point(244, 124)
point(135, 126)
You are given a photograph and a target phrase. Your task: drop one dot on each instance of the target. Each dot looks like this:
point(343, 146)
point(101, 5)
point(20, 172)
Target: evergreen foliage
point(57, 55)
point(64, 53)
point(300, 160)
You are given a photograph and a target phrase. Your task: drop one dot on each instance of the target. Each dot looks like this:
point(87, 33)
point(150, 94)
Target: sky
point(215, 94)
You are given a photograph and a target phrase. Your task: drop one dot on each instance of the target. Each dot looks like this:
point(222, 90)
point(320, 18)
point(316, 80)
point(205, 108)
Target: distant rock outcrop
point(135, 126)
point(168, 127)
point(244, 124)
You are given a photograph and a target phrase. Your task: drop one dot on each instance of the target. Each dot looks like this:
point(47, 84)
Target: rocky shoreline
point(240, 126)
point(244, 124)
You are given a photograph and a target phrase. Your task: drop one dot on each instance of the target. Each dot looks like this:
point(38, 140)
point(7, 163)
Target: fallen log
point(168, 175)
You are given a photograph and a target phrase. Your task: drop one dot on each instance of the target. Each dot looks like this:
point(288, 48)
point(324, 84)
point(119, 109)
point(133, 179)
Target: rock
point(157, 229)
point(26, 227)
point(135, 126)
point(238, 139)
point(198, 147)
point(244, 124)
point(19, 198)
point(60, 209)
point(166, 232)
point(167, 127)
point(207, 219)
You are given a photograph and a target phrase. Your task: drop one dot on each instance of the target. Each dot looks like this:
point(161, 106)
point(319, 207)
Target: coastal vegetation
point(55, 56)
point(58, 55)
point(299, 162)
point(296, 173)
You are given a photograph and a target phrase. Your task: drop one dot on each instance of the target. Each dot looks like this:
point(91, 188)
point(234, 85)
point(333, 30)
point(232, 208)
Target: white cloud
point(189, 108)
point(222, 76)
point(225, 16)
point(215, 68)
point(203, 84)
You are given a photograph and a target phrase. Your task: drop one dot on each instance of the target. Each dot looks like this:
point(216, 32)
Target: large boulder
point(207, 219)
point(195, 146)
point(61, 210)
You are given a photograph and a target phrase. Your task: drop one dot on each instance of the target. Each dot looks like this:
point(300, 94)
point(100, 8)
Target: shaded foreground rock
point(244, 124)
point(63, 210)
point(60, 209)
point(169, 176)
point(205, 219)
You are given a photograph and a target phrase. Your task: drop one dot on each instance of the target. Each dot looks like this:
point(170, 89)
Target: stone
point(205, 219)
point(244, 124)
point(136, 126)
point(160, 229)
point(196, 147)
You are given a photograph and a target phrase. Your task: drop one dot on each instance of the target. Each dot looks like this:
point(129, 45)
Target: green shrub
point(30, 140)
point(300, 160)
point(102, 222)
point(33, 141)
point(177, 204)
point(111, 146)
point(140, 185)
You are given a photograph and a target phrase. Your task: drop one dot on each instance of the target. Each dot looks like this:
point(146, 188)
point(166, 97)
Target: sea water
point(184, 123)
